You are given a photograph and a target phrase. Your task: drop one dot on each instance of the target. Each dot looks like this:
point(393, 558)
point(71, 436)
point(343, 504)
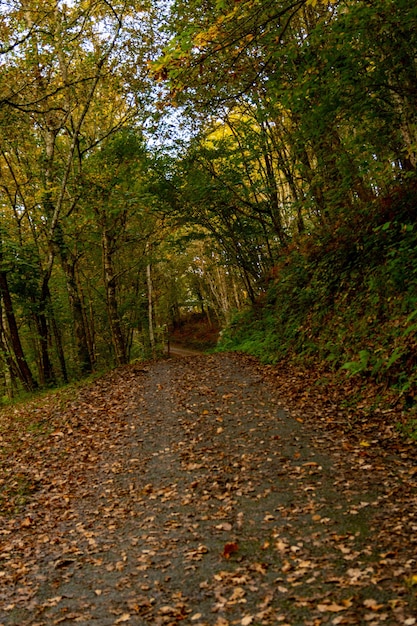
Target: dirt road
point(180, 492)
point(175, 350)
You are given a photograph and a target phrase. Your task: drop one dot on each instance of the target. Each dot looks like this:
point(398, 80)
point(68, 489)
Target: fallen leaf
point(229, 549)
point(372, 604)
point(281, 546)
point(237, 594)
point(333, 608)
point(167, 610)
point(52, 601)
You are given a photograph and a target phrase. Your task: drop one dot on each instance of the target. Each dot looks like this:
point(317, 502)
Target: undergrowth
point(344, 298)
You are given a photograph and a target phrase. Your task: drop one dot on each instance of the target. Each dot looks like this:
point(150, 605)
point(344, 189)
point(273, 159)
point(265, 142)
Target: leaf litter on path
point(182, 492)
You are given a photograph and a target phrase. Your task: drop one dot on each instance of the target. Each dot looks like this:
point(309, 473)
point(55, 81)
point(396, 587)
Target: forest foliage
point(250, 161)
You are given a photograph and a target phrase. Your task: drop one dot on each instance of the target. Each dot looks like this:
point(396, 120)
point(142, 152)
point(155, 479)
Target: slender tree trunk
point(236, 293)
point(58, 342)
point(45, 372)
point(91, 330)
point(23, 370)
point(224, 298)
point(80, 332)
point(150, 308)
point(68, 265)
point(110, 282)
point(47, 369)
point(10, 372)
point(274, 199)
point(316, 189)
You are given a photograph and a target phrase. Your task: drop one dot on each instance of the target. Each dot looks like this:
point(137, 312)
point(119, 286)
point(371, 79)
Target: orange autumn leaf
point(229, 549)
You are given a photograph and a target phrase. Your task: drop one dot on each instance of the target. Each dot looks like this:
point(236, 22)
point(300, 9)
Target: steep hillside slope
point(344, 299)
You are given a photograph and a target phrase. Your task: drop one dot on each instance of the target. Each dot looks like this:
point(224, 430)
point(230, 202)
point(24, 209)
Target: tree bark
point(10, 373)
point(23, 370)
point(150, 308)
point(79, 320)
point(110, 282)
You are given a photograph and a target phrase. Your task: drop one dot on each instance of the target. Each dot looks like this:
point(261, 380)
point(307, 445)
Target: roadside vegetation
point(345, 302)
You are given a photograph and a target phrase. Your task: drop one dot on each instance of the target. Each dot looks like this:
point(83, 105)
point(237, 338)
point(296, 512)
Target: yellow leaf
point(333, 608)
point(365, 444)
point(412, 580)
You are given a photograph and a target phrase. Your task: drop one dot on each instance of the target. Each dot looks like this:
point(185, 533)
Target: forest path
point(180, 492)
point(176, 350)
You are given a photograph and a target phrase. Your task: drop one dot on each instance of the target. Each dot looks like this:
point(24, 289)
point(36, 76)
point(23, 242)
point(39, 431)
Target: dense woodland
point(252, 161)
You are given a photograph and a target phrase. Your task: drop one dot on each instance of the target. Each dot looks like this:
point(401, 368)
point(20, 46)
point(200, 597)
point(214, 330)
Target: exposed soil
point(182, 492)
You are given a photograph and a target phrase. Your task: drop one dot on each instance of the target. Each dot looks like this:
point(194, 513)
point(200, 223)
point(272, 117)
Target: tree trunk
point(10, 373)
point(110, 282)
point(59, 349)
point(79, 320)
point(48, 375)
point(23, 370)
point(274, 199)
point(150, 308)
point(80, 332)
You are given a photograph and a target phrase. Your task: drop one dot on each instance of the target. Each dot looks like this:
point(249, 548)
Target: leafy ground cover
point(183, 491)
